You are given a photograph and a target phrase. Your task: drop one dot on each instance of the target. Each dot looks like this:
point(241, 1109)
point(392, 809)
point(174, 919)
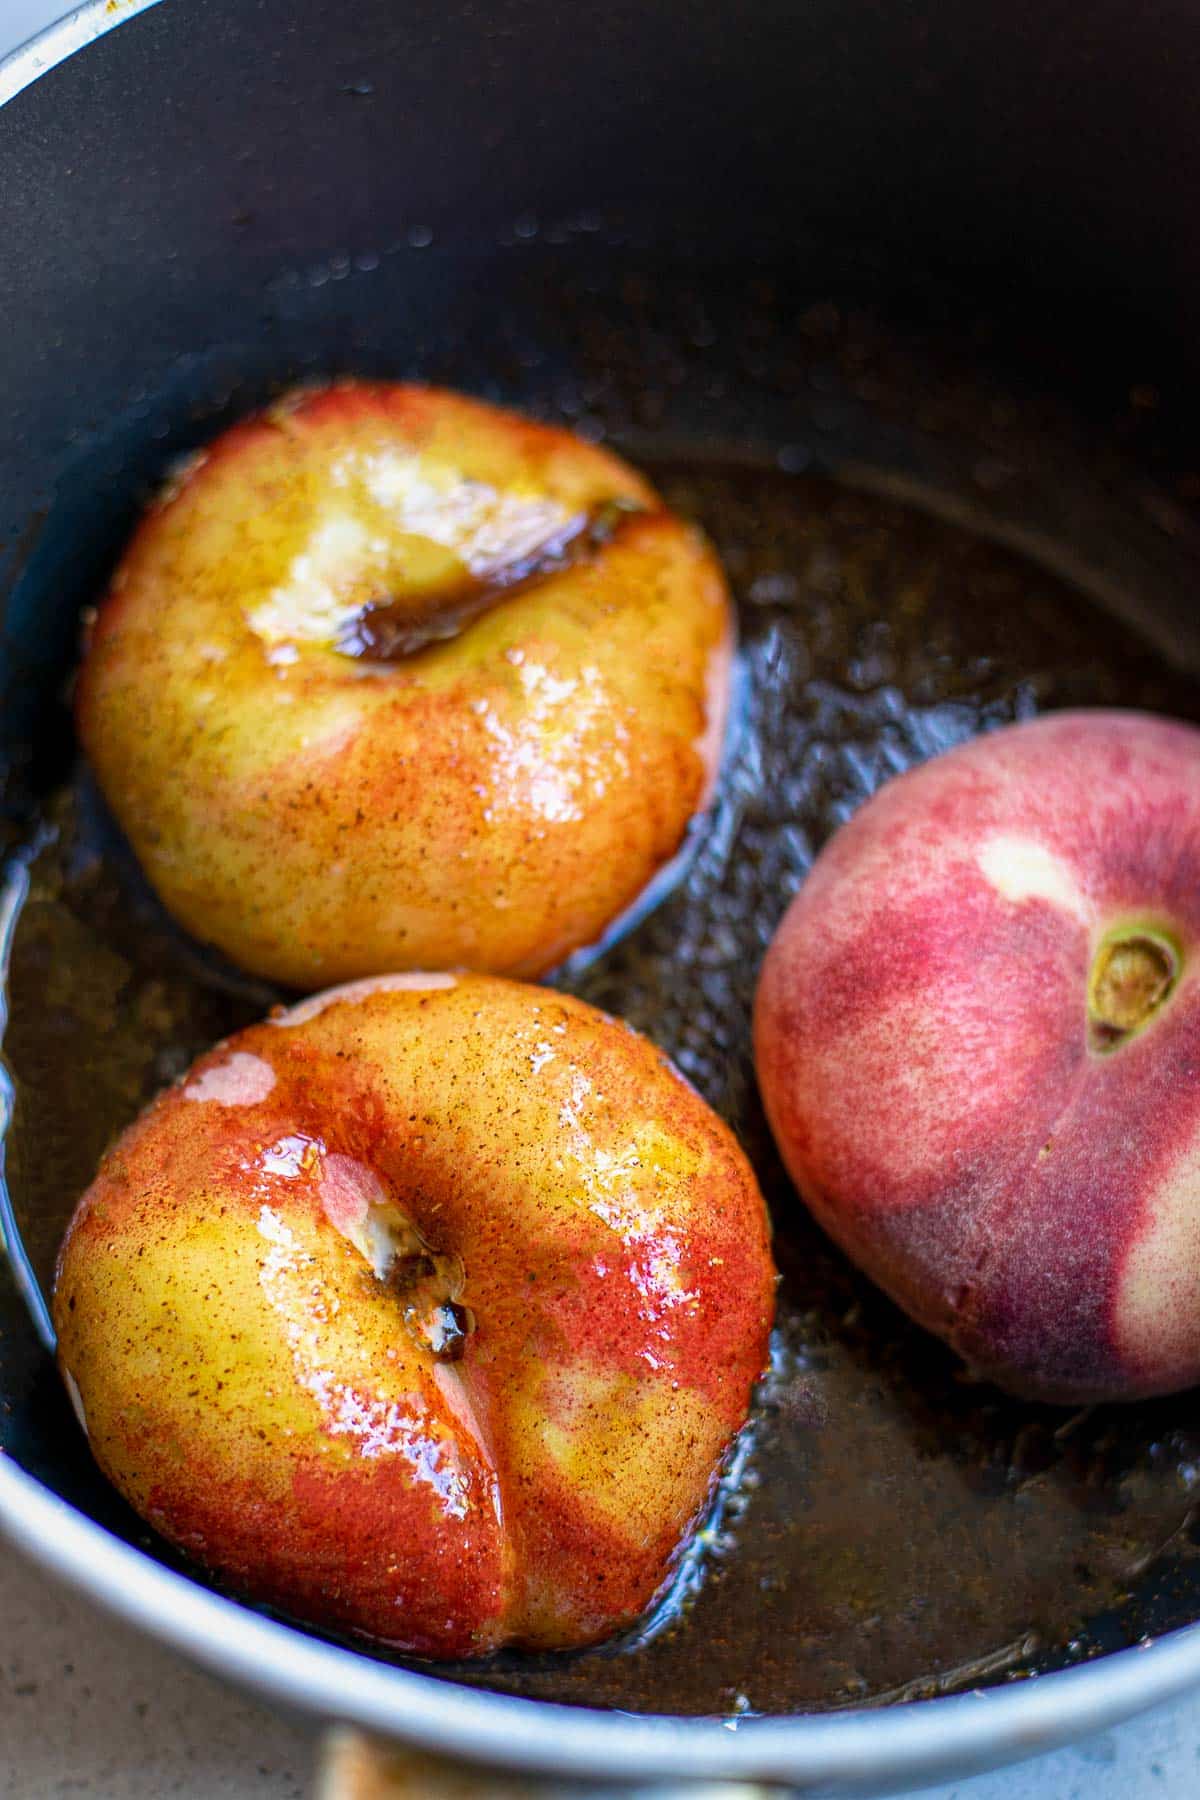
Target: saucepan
point(897, 301)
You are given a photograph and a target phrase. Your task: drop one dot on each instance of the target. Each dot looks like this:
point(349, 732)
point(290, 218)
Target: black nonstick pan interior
point(921, 548)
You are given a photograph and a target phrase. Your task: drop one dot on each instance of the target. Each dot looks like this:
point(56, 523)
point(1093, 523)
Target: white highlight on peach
point(76, 1399)
point(1156, 1316)
point(612, 1184)
point(545, 754)
point(289, 1156)
point(457, 1397)
point(1021, 869)
point(484, 526)
point(414, 981)
point(711, 742)
point(355, 1202)
point(244, 1080)
point(317, 599)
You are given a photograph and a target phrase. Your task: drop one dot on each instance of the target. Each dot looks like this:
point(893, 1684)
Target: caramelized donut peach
point(978, 1037)
point(425, 1311)
point(390, 678)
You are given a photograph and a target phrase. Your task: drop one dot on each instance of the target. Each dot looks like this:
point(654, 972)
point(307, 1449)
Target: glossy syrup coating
point(426, 1310)
point(977, 1034)
point(389, 678)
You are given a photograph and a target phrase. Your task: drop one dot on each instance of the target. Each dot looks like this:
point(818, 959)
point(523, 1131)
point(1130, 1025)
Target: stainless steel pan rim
point(860, 1751)
point(52, 46)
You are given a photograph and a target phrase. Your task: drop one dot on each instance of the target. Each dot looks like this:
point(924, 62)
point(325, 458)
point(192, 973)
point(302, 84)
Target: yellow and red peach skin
point(494, 800)
point(243, 1360)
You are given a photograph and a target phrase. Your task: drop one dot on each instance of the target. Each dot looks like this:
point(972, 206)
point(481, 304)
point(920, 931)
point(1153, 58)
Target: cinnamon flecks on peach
point(392, 679)
point(977, 1034)
point(437, 1338)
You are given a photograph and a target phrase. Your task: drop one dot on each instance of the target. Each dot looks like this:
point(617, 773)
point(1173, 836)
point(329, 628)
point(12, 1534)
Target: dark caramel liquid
point(889, 1523)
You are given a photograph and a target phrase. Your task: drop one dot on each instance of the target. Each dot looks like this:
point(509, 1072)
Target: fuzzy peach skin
point(493, 800)
point(250, 1295)
point(977, 1036)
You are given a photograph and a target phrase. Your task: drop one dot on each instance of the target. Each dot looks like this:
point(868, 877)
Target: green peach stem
point(1132, 974)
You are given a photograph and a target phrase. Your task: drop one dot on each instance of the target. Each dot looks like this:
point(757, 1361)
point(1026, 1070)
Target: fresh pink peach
point(977, 1036)
point(390, 679)
point(426, 1311)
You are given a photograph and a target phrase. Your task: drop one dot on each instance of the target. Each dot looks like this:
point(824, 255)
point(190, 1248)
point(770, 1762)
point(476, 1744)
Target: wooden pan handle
point(355, 1767)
